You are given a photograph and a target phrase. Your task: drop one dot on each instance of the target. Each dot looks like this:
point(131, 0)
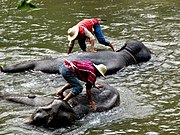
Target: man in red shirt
point(84, 31)
point(75, 71)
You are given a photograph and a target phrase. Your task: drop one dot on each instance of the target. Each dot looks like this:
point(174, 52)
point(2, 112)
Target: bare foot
point(60, 95)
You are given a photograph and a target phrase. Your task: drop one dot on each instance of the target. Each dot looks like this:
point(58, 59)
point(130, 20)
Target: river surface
point(149, 92)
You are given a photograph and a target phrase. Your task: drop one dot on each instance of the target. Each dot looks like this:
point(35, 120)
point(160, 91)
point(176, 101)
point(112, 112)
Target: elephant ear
point(50, 119)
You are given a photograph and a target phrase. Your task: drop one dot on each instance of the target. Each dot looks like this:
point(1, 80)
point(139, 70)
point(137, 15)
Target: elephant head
point(57, 114)
point(138, 50)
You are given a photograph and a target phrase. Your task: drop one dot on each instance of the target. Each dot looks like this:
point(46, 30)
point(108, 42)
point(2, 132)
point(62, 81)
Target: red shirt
point(89, 23)
point(83, 69)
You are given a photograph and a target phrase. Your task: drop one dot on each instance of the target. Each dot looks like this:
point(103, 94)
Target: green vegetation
point(25, 4)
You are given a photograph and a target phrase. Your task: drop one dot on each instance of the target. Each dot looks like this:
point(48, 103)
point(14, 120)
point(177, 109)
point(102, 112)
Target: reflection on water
point(149, 92)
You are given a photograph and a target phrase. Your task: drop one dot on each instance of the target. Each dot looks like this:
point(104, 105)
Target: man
point(83, 32)
point(75, 71)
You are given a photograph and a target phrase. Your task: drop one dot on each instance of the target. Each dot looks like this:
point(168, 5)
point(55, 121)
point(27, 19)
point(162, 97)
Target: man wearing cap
point(83, 32)
point(75, 71)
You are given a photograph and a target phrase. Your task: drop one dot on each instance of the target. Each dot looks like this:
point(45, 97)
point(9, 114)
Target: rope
point(128, 50)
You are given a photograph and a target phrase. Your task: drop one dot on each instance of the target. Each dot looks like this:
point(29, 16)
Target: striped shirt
point(84, 70)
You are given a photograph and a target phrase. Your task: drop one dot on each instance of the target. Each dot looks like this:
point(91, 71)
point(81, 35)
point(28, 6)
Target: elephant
point(51, 112)
point(133, 52)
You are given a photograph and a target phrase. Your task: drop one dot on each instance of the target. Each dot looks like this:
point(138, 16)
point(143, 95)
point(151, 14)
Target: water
point(149, 92)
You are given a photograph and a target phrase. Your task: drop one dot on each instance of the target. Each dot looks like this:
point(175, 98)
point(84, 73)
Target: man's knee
point(101, 40)
point(76, 90)
point(104, 41)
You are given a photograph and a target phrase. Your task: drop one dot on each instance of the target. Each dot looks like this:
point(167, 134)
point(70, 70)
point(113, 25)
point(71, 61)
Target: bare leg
point(111, 46)
point(69, 96)
point(65, 87)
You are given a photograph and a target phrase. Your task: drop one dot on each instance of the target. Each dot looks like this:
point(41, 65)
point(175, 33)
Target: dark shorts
point(70, 77)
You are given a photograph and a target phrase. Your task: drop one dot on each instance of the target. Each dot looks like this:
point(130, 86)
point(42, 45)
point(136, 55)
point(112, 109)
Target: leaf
point(25, 4)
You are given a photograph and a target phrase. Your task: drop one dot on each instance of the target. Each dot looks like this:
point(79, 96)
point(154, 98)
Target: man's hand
point(93, 105)
point(98, 85)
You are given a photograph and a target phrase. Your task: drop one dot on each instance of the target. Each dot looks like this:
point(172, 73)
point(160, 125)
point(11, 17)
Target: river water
point(149, 92)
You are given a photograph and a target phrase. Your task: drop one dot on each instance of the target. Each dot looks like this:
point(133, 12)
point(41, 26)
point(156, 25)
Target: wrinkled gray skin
point(58, 113)
point(133, 52)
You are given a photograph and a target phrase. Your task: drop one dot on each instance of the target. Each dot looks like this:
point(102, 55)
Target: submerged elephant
point(58, 113)
point(133, 52)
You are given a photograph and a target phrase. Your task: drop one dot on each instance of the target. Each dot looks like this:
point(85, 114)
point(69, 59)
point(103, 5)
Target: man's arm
point(88, 92)
point(91, 102)
point(91, 39)
point(71, 45)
